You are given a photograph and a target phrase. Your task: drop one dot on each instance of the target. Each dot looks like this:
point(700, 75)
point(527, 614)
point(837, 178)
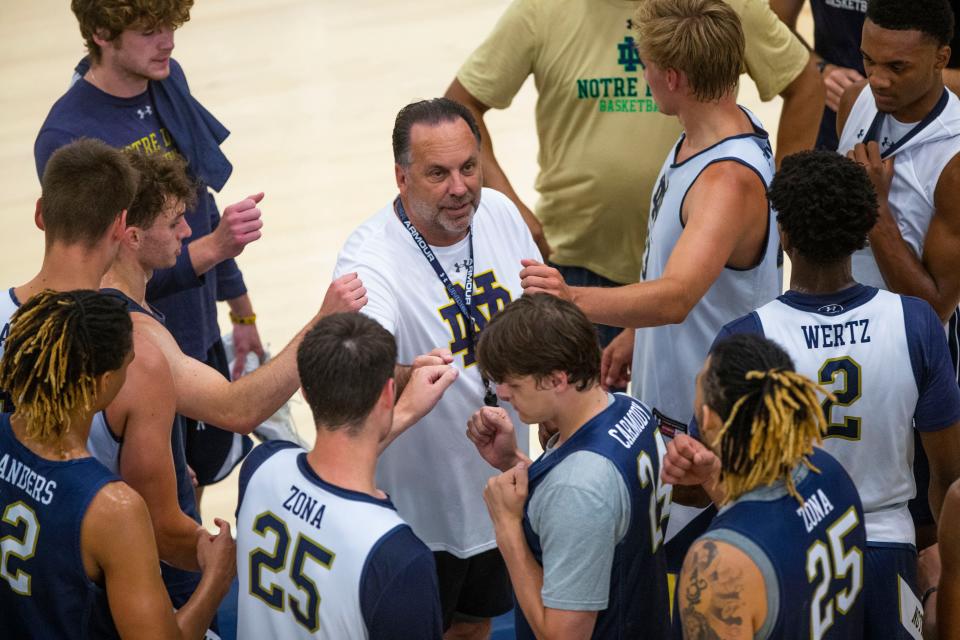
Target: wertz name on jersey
point(815, 509)
point(308, 509)
point(827, 336)
point(26, 479)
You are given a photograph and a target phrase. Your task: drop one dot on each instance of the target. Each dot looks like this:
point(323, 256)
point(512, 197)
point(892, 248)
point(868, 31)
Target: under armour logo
point(629, 23)
point(460, 266)
point(885, 142)
point(860, 135)
point(629, 56)
point(146, 111)
point(830, 309)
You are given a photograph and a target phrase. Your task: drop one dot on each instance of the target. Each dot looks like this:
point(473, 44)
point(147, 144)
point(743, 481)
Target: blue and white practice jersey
point(637, 603)
point(666, 359)
point(44, 588)
point(885, 358)
point(810, 555)
point(318, 561)
point(922, 151)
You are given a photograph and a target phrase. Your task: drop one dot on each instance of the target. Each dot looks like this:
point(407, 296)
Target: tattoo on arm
point(712, 600)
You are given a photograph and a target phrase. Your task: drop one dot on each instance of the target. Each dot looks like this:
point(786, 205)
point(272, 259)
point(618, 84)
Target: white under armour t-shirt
point(433, 473)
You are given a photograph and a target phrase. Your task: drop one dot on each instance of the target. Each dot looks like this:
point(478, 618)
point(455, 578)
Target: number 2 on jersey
point(846, 367)
point(306, 614)
point(18, 545)
point(661, 493)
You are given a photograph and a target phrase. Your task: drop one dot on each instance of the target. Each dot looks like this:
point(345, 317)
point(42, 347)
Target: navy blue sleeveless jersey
point(625, 433)
point(180, 584)
point(44, 589)
point(810, 556)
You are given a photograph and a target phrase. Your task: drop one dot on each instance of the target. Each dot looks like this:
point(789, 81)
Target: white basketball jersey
point(917, 169)
point(303, 547)
point(666, 358)
point(858, 345)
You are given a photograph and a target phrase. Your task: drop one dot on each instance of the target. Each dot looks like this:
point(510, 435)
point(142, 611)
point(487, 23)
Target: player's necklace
point(873, 133)
point(464, 301)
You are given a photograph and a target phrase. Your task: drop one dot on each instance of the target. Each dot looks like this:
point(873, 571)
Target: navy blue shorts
point(473, 589)
point(882, 566)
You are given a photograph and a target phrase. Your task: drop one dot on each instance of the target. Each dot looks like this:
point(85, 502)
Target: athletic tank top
point(871, 349)
point(44, 589)
point(180, 584)
point(305, 549)
point(626, 434)
point(920, 161)
point(666, 358)
point(103, 444)
point(810, 555)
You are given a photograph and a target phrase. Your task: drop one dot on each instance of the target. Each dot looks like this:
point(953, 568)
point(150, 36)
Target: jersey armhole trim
point(770, 580)
point(116, 438)
point(766, 236)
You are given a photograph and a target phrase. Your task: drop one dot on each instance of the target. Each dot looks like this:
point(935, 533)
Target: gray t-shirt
point(580, 511)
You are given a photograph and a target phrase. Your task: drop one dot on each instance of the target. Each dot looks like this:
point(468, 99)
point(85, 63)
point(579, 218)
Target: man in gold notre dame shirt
point(602, 140)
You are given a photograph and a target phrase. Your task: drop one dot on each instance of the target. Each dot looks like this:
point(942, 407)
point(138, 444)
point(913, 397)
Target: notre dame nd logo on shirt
point(619, 94)
point(489, 299)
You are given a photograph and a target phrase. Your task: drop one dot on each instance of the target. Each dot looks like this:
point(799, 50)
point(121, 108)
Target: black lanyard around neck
point(463, 302)
point(873, 133)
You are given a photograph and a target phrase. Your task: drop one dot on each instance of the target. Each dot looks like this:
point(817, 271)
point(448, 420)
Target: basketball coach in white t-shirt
point(443, 251)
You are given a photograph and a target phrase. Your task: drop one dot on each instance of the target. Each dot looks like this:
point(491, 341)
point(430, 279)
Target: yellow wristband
point(250, 319)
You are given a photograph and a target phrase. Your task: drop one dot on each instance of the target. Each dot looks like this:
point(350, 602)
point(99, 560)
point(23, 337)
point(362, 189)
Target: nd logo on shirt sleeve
point(488, 294)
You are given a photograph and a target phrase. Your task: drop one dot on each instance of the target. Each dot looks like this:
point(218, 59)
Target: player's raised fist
point(536, 277)
point(492, 433)
point(506, 494)
point(240, 224)
point(217, 556)
point(689, 462)
point(345, 294)
point(425, 388)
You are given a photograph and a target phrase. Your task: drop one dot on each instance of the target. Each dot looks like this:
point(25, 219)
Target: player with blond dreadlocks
point(784, 557)
point(62, 573)
point(886, 359)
